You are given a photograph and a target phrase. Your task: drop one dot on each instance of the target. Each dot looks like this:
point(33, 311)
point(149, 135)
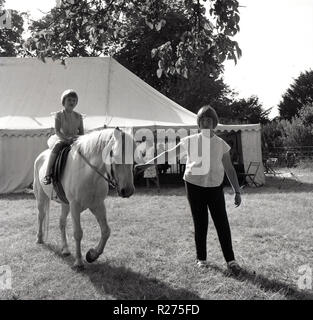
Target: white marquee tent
point(108, 94)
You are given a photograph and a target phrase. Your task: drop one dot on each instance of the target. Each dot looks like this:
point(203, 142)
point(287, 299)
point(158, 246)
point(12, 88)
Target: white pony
point(85, 181)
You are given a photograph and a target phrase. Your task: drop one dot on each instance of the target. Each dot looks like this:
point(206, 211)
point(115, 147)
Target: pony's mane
point(93, 142)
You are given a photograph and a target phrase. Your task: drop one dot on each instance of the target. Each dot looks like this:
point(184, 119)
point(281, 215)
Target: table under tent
point(109, 94)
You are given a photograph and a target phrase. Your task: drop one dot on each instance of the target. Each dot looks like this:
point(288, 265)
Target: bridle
point(110, 178)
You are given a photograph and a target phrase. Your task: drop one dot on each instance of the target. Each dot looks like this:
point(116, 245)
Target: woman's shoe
point(46, 180)
point(234, 268)
point(201, 263)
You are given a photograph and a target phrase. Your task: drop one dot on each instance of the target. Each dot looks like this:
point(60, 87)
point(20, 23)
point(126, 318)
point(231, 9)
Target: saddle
point(57, 172)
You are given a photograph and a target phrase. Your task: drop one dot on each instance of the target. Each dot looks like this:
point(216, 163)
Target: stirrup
point(47, 180)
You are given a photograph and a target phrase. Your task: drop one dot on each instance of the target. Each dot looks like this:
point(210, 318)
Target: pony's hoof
point(39, 241)
point(78, 267)
point(91, 255)
point(65, 253)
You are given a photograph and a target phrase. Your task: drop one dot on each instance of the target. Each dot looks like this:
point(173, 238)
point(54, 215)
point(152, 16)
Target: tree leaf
point(158, 26)
point(153, 53)
point(149, 24)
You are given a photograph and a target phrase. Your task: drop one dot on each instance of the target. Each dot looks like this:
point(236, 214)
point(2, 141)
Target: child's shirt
point(70, 123)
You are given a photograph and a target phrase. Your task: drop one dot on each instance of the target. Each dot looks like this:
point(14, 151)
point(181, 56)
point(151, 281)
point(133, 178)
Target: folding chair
point(251, 174)
point(269, 165)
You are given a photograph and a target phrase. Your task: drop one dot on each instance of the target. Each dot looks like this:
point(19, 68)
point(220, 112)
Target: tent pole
point(107, 90)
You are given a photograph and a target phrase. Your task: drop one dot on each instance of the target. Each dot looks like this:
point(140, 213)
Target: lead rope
point(108, 180)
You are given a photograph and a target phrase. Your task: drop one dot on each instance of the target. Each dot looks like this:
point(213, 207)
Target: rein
point(110, 181)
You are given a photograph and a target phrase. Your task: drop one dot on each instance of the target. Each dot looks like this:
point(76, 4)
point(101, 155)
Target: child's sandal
point(46, 180)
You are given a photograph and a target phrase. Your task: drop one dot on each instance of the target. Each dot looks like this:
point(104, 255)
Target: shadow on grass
point(124, 284)
point(277, 185)
point(27, 195)
point(165, 190)
point(273, 185)
point(266, 284)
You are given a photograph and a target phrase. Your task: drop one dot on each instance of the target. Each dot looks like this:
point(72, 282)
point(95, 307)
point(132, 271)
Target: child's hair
point(207, 112)
point(68, 93)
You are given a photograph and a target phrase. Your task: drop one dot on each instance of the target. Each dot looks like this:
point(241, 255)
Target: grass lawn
point(150, 254)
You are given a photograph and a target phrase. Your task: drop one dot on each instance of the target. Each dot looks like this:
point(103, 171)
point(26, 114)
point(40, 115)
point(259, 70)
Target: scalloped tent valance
point(43, 126)
point(238, 127)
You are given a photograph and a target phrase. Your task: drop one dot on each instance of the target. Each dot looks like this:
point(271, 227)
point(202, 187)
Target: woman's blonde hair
point(207, 112)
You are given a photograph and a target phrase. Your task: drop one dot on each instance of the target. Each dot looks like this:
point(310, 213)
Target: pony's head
point(112, 146)
point(118, 156)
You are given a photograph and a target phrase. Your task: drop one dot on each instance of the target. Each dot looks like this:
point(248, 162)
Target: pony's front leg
point(65, 211)
point(43, 203)
point(76, 210)
point(100, 213)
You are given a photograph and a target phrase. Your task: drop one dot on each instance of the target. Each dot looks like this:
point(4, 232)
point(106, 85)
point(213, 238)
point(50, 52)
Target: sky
point(276, 38)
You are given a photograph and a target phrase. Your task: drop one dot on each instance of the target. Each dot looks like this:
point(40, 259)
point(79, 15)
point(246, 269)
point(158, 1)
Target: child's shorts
point(59, 145)
point(55, 144)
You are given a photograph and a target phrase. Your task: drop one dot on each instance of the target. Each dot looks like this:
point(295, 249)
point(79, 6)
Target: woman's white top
point(204, 165)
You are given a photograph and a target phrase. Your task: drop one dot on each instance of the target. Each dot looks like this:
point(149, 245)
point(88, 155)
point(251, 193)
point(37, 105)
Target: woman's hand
point(232, 177)
point(237, 199)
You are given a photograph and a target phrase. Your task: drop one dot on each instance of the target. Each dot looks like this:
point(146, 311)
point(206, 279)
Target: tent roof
point(108, 94)
point(105, 88)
